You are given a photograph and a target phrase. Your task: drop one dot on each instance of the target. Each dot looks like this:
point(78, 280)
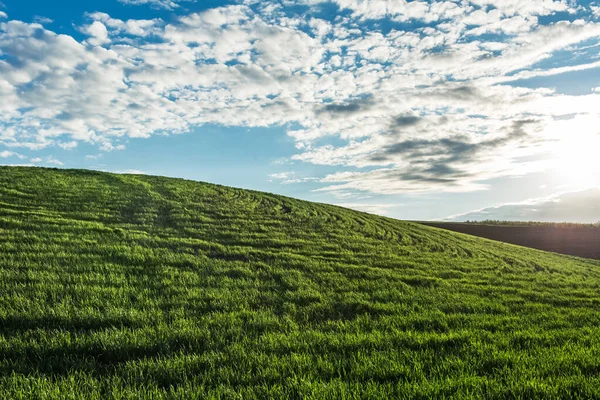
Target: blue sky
point(416, 110)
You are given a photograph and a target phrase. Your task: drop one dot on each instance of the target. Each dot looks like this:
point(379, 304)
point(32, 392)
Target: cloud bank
point(398, 110)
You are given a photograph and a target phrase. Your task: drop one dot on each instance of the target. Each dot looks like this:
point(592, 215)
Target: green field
point(129, 286)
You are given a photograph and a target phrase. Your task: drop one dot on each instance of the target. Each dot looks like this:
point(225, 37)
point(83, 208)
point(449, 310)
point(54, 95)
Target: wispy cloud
point(46, 160)
point(10, 154)
point(68, 145)
point(53, 161)
point(166, 4)
point(281, 175)
point(286, 178)
point(42, 20)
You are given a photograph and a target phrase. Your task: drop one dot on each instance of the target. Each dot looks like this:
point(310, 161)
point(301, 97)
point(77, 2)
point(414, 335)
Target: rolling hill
point(130, 286)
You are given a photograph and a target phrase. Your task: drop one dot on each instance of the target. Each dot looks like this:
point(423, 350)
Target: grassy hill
point(128, 286)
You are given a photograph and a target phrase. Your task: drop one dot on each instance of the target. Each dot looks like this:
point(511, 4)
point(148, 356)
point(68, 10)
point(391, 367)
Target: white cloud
point(549, 72)
point(596, 90)
point(166, 4)
point(68, 145)
point(108, 146)
point(97, 32)
point(42, 20)
point(416, 110)
point(519, 7)
point(3, 15)
point(376, 9)
point(281, 175)
point(10, 154)
point(287, 178)
point(402, 10)
point(53, 161)
point(579, 207)
point(50, 160)
point(116, 27)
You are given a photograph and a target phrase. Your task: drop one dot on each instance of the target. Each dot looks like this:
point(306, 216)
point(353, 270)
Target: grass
point(128, 286)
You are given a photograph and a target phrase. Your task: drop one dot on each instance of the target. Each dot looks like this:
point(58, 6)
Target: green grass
point(127, 286)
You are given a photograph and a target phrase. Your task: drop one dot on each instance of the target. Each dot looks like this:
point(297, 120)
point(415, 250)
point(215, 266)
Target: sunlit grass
point(143, 287)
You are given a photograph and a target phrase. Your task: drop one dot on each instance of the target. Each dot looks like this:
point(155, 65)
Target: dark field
point(574, 240)
point(129, 286)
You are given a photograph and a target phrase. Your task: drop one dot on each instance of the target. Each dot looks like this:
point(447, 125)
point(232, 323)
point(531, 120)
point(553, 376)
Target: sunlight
point(576, 155)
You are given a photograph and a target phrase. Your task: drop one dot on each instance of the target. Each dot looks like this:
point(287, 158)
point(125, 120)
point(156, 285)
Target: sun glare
point(577, 160)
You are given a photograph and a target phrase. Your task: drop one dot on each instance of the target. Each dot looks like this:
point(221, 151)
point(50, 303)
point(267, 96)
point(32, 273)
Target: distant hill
point(131, 286)
point(579, 240)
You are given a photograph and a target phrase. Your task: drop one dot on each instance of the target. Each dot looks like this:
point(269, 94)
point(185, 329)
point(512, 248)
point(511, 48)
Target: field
point(129, 286)
point(571, 239)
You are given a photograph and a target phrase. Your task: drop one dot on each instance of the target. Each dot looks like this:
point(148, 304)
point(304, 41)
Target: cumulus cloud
point(579, 207)
point(518, 7)
point(98, 34)
point(120, 30)
point(3, 15)
point(416, 110)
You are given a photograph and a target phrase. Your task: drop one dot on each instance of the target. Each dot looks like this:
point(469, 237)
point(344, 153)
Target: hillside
point(129, 286)
point(571, 239)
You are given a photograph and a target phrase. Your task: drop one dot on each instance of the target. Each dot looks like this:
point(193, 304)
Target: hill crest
point(141, 286)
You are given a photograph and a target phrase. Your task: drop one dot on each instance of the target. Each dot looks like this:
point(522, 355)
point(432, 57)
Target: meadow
point(130, 286)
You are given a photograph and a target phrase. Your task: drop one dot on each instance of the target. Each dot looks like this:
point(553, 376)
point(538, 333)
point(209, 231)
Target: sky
point(419, 110)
